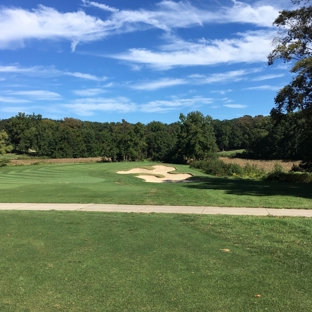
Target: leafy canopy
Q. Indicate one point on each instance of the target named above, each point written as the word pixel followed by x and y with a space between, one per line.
pixel 295 44
pixel 4 143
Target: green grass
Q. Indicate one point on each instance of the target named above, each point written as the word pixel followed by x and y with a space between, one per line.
pixel 230 153
pixel 15 156
pixel 99 183
pixel 77 261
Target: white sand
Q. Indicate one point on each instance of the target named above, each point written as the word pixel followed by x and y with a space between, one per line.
pixel 164 171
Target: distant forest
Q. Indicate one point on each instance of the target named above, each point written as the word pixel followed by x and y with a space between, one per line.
pixel 193 137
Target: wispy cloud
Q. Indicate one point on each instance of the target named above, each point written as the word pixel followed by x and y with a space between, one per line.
pixel 235 75
pixel 222 92
pixel 46 23
pixel 36 94
pixel 197 79
pixel 249 47
pixel 267 77
pixel 89 92
pixel 162 83
pixel 84 76
pixel 235 105
pixel 48 72
pixel 264 87
pixel 4 99
pixel 175 104
pixel 99 5
pixel 89 106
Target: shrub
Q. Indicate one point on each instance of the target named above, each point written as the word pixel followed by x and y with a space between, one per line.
pixel 215 166
pixel 235 169
pixel 4 162
pixel 252 171
pixel 290 177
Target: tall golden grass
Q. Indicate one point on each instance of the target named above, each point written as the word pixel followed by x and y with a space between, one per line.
pixel 267 165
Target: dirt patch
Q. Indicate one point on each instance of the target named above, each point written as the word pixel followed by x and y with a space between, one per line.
pixel 158 174
pixel 267 165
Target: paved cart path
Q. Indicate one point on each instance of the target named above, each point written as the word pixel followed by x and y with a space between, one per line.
pixel 159 209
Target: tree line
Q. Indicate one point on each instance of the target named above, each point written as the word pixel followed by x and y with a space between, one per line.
pixel 193 137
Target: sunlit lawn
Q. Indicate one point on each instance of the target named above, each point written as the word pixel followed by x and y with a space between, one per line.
pixel 100 183
pixel 77 261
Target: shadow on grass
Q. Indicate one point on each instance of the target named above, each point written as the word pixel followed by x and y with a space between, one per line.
pixel 252 187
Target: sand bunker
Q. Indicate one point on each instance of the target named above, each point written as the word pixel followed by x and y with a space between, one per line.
pixel 159 174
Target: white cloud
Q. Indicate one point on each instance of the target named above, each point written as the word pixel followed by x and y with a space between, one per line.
pixel 222 92
pixel 99 5
pixel 16 69
pixel 174 104
pixel 12 100
pixel 162 83
pixel 227 100
pixel 37 94
pixel 48 72
pixel 46 23
pixel 264 87
pixel 267 77
pixel 196 79
pixel 85 76
pixel 89 106
pixel 235 75
pixel 182 14
pixel 89 92
pixel 259 14
pixel 235 105
pixel 249 47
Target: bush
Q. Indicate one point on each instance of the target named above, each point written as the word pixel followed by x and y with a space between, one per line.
pixel 217 167
pixel 252 171
pixel 290 177
pixel 4 162
pixel 235 169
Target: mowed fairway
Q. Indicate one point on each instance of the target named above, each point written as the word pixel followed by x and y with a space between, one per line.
pixel 78 261
pixel 100 183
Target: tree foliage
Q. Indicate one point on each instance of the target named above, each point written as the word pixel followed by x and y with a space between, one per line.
pixel 294 44
pixel 196 139
pixel 4 143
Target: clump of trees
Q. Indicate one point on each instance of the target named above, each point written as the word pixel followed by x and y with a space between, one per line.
pixel 5 146
pixel 194 137
pixel 294 44
pixel 190 138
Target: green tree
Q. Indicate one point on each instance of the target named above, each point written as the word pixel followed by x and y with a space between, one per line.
pixel 196 139
pixel 22 130
pixel 159 141
pixel 222 131
pixel 294 44
pixel 46 132
pixel 5 145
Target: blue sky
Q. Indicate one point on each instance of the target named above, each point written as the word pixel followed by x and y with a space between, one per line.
pixel 138 60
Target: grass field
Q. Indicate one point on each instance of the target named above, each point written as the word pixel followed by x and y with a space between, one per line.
pixel 231 153
pixel 76 261
pixel 267 165
pixel 99 183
